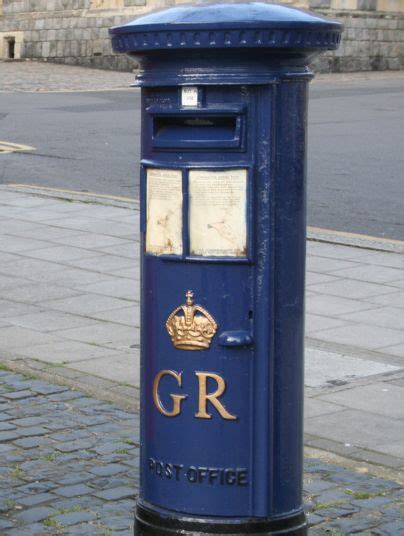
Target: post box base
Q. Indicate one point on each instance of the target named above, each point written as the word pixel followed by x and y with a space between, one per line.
pixel 150 522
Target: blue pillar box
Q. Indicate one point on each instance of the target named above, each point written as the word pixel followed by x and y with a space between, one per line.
pixel 224 113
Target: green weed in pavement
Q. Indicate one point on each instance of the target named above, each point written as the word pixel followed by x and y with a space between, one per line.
pixel 121 451
pixel 70 509
pixel 10 503
pixel 361 495
pixel 17 472
pixel 51 457
pixel 125 439
pixel 49 522
pixel 324 506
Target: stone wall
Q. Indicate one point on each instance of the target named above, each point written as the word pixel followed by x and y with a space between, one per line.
pixel 76 31
pixel 370 42
pixel 67 31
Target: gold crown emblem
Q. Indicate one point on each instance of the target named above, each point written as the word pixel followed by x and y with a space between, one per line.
pixel 188 329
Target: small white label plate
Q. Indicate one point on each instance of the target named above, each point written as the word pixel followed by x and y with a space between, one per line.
pixel 189 96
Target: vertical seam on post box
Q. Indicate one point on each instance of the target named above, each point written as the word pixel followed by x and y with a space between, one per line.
pixel 143 201
pixel 250 213
pixel 273 177
pixel 263 448
pixel 143 338
pixel 185 213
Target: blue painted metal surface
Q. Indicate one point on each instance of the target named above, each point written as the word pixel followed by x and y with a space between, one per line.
pixel 250 64
pixel 227 25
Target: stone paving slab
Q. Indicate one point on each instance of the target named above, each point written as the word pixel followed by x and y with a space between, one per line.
pixel 359 428
pixel 63 352
pixel 324 368
pixel 362 335
pixel 126 368
pixel 79 475
pixel 378 397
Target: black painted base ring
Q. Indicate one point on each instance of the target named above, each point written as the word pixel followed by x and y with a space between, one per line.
pixel 149 522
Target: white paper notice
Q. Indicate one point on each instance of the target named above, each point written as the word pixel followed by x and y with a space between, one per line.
pixel 218 213
pixel 164 212
pixel 189 96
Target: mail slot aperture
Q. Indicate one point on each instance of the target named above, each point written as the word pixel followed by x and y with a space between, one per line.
pixel 208 127
pixel 193 131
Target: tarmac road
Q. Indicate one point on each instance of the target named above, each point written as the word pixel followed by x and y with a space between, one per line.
pixel 89 141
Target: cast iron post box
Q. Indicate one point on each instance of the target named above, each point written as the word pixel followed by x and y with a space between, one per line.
pixel 224 100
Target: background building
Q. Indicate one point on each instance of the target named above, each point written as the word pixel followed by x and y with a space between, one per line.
pixel 76 31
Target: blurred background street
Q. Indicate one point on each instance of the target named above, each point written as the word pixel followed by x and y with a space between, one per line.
pixel 85 127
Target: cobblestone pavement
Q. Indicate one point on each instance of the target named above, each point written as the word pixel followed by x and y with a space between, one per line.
pixel 69 465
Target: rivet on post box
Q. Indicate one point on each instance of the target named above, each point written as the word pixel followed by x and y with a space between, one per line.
pixel 224 109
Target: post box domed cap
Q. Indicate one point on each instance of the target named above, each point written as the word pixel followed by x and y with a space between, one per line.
pixel 229 24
